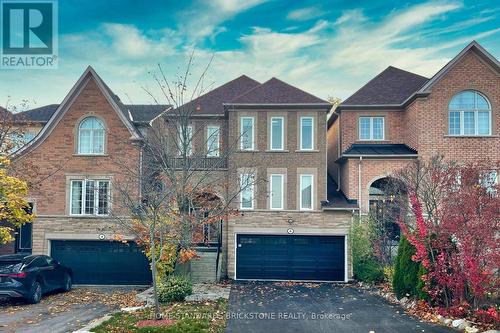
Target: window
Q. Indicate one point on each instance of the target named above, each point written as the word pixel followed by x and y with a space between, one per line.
pixel 276 190
pixel 213 138
pixel 306 192
pixel 371 128
pixel 91 137
pixel 277 133
pixel 89 197
pixel 247 133
pixel 469 114
pixel 188 136
pixel 306 133
pixel 247 190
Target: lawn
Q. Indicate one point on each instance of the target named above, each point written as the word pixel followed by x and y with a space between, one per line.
pixel 188 317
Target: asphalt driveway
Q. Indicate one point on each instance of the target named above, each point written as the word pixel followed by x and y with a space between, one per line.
pixel 62 312
pixel 287 307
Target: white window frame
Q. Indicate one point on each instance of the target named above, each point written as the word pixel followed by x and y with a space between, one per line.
pixel 84 193
pixel 282 185
pixel 312 191
pixel 250 187
pixel 485 182
pixel 282 133
pixel 91 138
pixel 302 133
pixel 476 112
pixel 371 138
pixel 213 152
pixel 252 141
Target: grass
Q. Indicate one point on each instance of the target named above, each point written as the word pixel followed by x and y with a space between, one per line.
pixel 189 317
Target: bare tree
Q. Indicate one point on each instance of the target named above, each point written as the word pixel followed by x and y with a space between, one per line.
pixel 185 187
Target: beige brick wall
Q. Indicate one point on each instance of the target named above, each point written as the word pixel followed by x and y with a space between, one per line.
pixel 70 228
pixel 304 223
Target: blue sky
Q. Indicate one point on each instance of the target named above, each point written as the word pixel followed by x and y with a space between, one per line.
pixel 329 48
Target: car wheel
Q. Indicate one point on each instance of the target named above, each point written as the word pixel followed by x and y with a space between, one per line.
pixel 68 283
pixel 36 293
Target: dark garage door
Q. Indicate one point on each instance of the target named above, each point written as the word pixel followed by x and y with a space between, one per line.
pixel 103 262
pixel 272 257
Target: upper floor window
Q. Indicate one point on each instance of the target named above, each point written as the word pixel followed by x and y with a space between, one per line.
pixel 306 133
pixel 247 133
pixel 371 128
pixel 306 192
pixel 469 114
pixel 277 133
pixel 247 182
pixel 91 136
pixel 89 197
pixel 213 140
pixel 276 190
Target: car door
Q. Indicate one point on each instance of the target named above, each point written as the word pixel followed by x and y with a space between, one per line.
pixel 57 274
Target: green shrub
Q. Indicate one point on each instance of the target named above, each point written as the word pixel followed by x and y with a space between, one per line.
pixel 174 289
pixel 407 273
pixel 365 265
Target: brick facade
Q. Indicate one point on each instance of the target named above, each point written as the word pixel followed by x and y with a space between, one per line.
pixel 422 125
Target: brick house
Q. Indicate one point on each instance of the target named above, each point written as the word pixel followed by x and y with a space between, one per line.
pixel 285 219
pixel 399 116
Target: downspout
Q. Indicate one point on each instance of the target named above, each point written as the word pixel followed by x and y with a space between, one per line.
pixel 338 156
pixel 359 186
pixel 140 172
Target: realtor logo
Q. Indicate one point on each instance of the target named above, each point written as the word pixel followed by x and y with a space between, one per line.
pixel 28 34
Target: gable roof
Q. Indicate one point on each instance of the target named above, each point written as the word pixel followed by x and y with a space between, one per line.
pixel 212 102
pixel 139 113
pixel 116 105
pixel 393 86
pixel 275 91
pixel 474 47
pixel 396 88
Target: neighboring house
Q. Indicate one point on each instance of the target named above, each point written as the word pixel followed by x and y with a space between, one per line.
pixel 285 230
pixel 399 116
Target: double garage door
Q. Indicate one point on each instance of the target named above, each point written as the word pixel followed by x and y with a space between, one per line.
pixel 290 257
pixel 103 262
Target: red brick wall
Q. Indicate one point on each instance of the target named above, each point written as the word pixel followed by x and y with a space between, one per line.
pixel 56 156
pixel 394 129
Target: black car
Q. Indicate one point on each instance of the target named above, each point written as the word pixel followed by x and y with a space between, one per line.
pixel 30 276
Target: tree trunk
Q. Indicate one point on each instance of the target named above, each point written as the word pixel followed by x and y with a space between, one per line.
pixel 153 272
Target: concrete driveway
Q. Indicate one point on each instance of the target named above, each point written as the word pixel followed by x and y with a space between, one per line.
pixel 287 307
pixel 63 312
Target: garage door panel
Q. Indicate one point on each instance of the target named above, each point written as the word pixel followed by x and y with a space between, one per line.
pixel 103 262
pixel 290 257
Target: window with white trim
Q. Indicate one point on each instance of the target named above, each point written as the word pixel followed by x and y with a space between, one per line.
pixel 371 128
pixel 247 186
pixel 306 133
pixel 276 191
pixel 306 192
pixel 91 137
pixel 89 197
pixel 277 136
pixel 186 140
pixel 213 140
pixel 469 114
pixel 247 133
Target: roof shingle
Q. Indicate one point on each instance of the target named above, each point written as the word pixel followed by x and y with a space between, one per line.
pixel 361 149
pixel 393 86
pixel 275 91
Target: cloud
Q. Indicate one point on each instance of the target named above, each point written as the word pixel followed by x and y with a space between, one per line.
pixel 305 14
pixel 203 18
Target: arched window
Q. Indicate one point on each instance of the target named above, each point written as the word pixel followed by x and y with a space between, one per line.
pixel 91 136
pixel 469 114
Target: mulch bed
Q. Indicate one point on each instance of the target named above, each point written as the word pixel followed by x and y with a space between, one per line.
pixel 155 323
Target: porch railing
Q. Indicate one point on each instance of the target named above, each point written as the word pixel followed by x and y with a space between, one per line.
pixel 198 163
